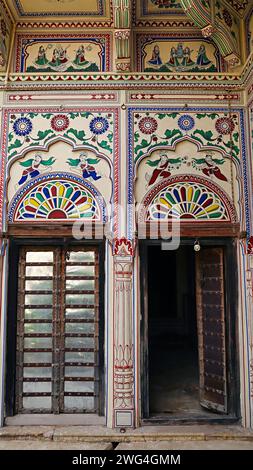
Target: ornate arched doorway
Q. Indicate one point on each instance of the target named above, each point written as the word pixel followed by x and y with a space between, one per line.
pixel 188 302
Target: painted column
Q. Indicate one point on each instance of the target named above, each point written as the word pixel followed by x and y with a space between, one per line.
pixel 123 347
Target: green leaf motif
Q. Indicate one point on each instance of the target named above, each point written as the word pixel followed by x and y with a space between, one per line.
pixel 104 144
pixel 144 143
pixel 207 135
pixel 42 134
pixel 15 145
pixel 171 133
pixel 78 134
pixel 236 136
pixel 136 136
pixel 86 114
pixel 110 137
pixel 10 137
pixel 73 115
pixel 47 115
pixel 32 115
pixel 211 115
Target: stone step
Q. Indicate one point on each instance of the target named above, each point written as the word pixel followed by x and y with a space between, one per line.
pixel 146 433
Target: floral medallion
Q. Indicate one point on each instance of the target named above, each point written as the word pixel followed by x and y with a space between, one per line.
pixel 148 125
pixel 186 122
pixel 99 125
pixel 22 126
pixel 60 123
pixel 224 125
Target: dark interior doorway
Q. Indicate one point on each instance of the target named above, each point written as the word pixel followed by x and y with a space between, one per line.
pixel 173 342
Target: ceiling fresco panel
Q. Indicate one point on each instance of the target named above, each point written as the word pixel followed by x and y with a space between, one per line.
pixel 45 8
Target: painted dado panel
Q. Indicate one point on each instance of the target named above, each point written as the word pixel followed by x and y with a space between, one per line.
pixel 59 165
pixel 177 52
pixel 201 151
pixel 63 53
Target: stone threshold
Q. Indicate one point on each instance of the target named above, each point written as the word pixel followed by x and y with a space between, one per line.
pixel 142 434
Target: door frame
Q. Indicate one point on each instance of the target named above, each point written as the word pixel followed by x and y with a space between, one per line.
pixel 231 323
pixel 15 245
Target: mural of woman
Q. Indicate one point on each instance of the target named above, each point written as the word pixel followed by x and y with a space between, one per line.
pixel 208 166
pixel 41 59
pixel 156 59
pixel 80 56
pixel 86 165
pixel 187 61
pixel 202 59
pixel 173 58
pixel 32 167
pixel 161 170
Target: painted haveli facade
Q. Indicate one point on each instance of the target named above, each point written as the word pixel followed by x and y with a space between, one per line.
pixel 117 116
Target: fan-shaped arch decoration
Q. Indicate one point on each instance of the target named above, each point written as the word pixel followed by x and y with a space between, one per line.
pixel 57 197
pixel 188 199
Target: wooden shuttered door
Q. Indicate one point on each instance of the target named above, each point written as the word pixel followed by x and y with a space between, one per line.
pixel 57 332
pixel 211 328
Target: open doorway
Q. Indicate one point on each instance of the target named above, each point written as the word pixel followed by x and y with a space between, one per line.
pixel 185 355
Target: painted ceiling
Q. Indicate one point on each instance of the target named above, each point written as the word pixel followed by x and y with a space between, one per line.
pixel 59 8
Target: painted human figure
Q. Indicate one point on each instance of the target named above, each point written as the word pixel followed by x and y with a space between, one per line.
pixel 209 168
pixel 180 51
pixel 55 59
pixel 202 59
pixel 32 167
pixel 80 56
pixel 173 57
pixel 86 165
pixel 41 59
pixel 62 55
pixel 156 59
pixel 161 170
pixel 187 61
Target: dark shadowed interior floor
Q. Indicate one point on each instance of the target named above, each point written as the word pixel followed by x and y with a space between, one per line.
pixel 174 382
pixel 172 333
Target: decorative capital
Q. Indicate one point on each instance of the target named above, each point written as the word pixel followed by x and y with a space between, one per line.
pixel 208 31
pixel 122 34
pixel 123 65
pixel 233 60
pixel 123 247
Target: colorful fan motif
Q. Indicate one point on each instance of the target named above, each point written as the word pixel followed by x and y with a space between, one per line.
pixel 57 200
pixel 187 201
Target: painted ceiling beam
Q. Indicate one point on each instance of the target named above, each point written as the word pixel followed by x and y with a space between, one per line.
pixel 203 14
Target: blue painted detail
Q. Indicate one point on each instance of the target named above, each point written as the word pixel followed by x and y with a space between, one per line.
pixel 131 164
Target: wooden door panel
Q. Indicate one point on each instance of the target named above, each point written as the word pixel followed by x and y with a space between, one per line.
pixel 57 367
pixel 211 328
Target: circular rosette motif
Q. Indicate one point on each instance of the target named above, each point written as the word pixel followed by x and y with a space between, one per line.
pixel 186 122
pixel 99 125
pixel 57 200
pixel 60 123
pixel 22 126
pixel 187 201
pixel 148 125
pixel 224 125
